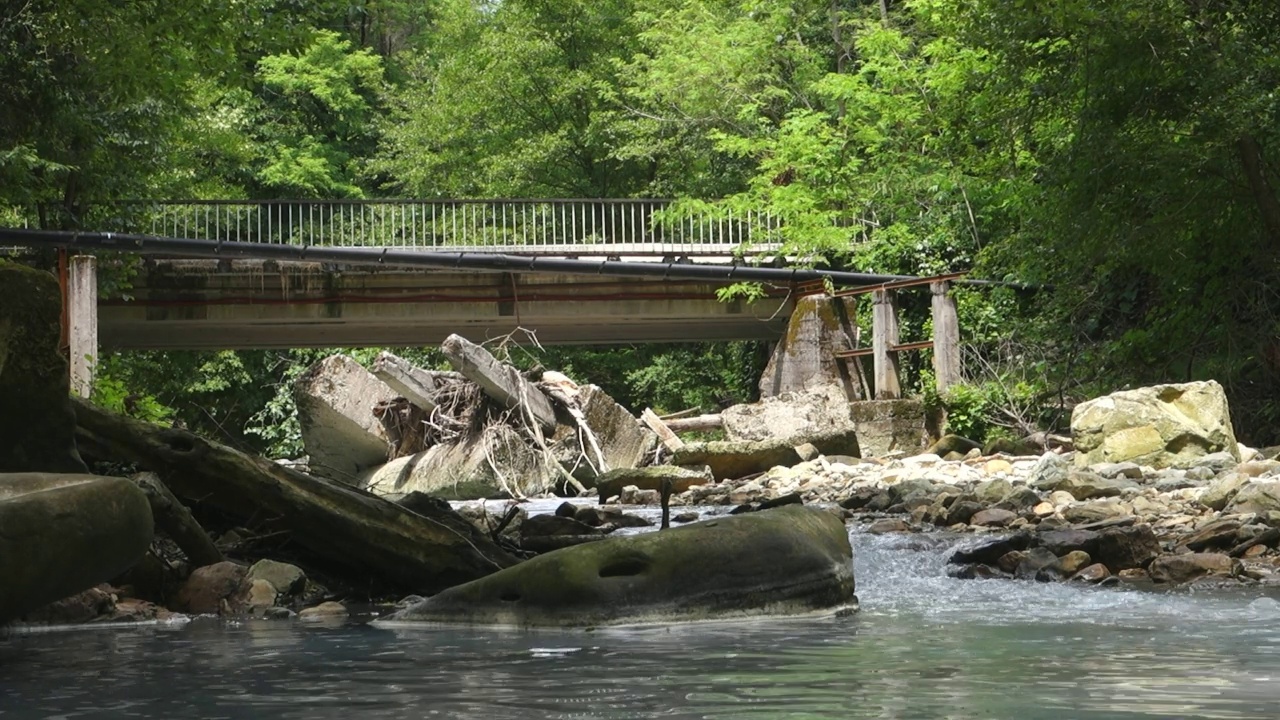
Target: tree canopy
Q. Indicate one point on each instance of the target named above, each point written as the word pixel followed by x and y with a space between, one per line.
pixel 1121 156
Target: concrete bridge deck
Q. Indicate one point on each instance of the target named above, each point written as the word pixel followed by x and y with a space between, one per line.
pixel 238 304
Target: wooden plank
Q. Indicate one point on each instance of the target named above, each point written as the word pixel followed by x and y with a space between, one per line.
pixel 414 384
pixel 498 380
pixel 884 335
pixel 664 433
pixel 863 352
pixel 82 316
pixel 946 336
pixel 905 347
pixel 701 423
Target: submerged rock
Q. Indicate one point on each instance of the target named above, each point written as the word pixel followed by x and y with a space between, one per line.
pixel 785 561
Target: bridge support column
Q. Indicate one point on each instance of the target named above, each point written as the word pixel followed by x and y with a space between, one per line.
pixel 82 316
pixel 946 336
pixel 884 338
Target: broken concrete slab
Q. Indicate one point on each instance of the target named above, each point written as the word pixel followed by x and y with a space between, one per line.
pixel 788 415
pixel 610 484
pixel 498 380
pixel 416 385
pixel 336 398
pixel 497 463
pixel 888 426
pixel 624 441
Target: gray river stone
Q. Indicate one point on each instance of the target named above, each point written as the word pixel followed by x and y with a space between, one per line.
pixel 60 534
pixel 786 561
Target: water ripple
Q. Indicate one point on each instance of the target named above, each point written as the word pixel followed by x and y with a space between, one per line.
pixel 924 646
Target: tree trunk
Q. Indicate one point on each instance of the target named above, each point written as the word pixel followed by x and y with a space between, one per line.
pixel 1255 170
pixel 701 423
pixel 175 520
pixel 370 539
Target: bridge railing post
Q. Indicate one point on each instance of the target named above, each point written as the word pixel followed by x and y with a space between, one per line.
pixel 884 336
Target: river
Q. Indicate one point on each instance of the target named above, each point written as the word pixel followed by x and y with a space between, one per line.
pixel 923 646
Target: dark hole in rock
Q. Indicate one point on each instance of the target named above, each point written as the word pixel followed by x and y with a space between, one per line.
pixel 625 567
pixel 509 596
pixel 181 444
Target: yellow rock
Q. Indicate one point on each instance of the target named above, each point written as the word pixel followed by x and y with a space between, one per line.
pixel 998 465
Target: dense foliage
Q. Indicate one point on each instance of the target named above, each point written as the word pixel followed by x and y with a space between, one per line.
pixel 1121 156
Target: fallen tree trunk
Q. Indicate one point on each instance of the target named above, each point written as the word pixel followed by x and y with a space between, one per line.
pixel 369 538
pixel 700 423
pixel 175 520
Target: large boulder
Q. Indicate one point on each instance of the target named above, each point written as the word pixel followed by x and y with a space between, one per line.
pixel 804 359
pixel 37 425
pixel 498 462
pixel 342 436
pixel 788 415
pixel 1160 426
pixel 60 534
pixel 1260 495
pixel 789 560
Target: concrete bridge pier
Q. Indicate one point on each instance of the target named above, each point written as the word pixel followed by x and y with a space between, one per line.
pixel 82 322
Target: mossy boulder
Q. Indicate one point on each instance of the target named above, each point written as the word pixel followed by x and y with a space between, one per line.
pixel 37 425
pixel 60 534
pixel 787 561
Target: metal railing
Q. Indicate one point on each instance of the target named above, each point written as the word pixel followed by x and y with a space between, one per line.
pixel 577 227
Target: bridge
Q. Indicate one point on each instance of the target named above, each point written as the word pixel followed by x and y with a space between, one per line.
pixel 283 291
pixel 236 274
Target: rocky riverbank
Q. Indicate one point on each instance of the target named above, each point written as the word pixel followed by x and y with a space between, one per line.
pixel 1216 520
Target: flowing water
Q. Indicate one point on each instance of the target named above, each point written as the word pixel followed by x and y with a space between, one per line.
pixel 923 646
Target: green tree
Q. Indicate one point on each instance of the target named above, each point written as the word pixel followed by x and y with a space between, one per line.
pixel 510 99
pixel 86 111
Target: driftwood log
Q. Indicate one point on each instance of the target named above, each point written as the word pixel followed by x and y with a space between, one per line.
pixel 701 423
pixel 368 537
pixel 176 521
